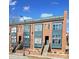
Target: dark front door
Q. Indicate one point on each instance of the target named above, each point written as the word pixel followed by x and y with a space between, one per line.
pixel 46 40
pixel 19 39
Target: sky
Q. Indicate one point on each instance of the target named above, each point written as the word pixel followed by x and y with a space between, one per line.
pixel 36 9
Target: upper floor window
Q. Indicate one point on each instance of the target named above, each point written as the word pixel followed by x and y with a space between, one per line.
pixel 26 28
pixel 13 29
pixel 57 26
pixel 38 27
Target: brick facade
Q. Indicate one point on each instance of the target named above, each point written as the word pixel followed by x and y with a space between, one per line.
pixel 46 32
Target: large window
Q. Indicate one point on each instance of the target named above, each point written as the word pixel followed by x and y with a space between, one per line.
pixel 57 35
pixel 13 36
pixel 26 35
pixel 13 29
pixel 38 36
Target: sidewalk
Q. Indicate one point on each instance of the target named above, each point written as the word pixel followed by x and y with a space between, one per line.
pixel 44 57
pixel 15 56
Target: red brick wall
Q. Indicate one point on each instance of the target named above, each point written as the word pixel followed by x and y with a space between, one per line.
pixel 20 30
pixel 46 32
pixel 64 32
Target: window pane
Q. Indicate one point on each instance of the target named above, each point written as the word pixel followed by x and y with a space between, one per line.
pixel 26 35
pixel 13 40
pixel 13 36
pixel 57 35
pixel 38 36
pixel 38 27
pixel 13 29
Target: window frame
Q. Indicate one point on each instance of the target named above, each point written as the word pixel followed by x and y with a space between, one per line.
pixel 58 35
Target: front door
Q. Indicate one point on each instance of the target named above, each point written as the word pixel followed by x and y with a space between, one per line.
pixel 19 39
pixel 46 40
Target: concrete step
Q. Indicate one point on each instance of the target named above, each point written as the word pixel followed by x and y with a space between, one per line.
pixel 45 51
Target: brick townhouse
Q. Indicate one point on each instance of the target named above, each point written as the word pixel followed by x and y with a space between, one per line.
pixel 35 35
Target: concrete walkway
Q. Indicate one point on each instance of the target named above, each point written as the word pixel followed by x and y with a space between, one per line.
pixel 17 57
pixel 14 56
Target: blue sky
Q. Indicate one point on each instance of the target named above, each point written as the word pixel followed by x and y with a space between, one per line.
pixel 35 9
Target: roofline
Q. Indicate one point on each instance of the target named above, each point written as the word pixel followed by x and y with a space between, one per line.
pixel 59 18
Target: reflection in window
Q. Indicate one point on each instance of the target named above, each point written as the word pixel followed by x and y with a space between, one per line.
pixel 13 29
pixel 26 35
pixel 13 36
pixel 57 35
pixel 38 36
pixel 38 27
pixel 57 26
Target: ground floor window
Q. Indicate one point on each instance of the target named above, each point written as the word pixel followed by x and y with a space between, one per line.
pixel 26 39
pixel 13 39
pixel 38 43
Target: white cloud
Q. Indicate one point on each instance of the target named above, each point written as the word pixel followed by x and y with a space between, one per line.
pixel 55 3
pixel 13 8
pixel 26 8
pixel 46 15
pixel 12 2
pixel 25 18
